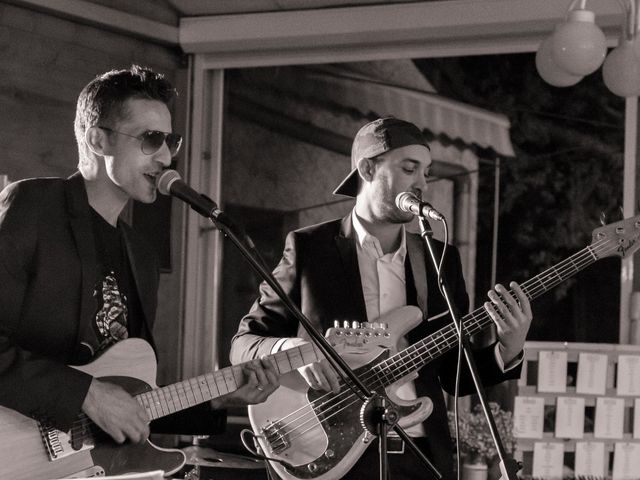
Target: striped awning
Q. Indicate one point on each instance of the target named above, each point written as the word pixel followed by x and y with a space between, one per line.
pixel 449 122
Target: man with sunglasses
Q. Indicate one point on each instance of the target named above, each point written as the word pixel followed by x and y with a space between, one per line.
pixel 76 279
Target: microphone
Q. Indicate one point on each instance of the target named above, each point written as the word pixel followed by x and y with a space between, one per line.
pixel 408 202
pixel 170 183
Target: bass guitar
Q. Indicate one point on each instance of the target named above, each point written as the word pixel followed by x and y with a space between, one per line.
pixel 319 435
pixel 34 451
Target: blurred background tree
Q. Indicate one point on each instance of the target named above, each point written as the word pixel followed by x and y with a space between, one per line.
pixel 568 170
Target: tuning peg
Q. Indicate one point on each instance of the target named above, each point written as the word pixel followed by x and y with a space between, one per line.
pixel 603 218
pixel 336 324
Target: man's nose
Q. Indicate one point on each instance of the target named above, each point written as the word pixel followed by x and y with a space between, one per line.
pixel 163 156
pixel 421 186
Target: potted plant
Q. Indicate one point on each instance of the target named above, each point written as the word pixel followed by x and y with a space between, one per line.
pixel 476 445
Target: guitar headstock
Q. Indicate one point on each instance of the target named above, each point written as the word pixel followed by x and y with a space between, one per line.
pixel 620 238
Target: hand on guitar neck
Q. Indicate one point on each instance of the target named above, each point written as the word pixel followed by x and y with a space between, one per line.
pixel 261 381
pixel 318 375
pixel 511 313
pixel 121 416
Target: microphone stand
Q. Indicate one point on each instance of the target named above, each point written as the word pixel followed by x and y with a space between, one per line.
pixel 382 416
pixel 508 466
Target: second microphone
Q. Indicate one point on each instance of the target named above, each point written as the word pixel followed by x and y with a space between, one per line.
pixel 408 202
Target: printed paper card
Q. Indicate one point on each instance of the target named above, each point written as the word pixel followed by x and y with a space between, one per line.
pixel 589 459
pixel 626 460
pixel 609 417
pixel 548 460
pixel 570 417
pixel 528 417
pixel 592 373
pixel 628 375
pixel 552 371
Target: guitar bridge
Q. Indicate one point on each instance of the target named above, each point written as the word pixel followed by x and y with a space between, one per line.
pixel 275 436
pixel 60 444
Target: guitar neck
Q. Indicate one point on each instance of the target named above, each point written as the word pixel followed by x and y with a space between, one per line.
pixel 419 354
pixel 179 396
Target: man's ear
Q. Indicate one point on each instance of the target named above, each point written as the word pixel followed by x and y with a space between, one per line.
pixel 366 168
pixel 96 140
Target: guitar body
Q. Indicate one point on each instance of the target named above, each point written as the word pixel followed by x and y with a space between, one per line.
pixel 320 434
pixel 24 456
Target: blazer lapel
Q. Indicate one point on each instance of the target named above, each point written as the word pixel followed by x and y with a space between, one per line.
pixel 416 253
pixel 80 222
pixel 345 242
pixel 142 277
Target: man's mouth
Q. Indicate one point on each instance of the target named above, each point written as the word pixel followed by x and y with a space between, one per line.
pixel 152 177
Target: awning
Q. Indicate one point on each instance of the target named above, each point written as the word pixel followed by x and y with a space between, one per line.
pixel 448 121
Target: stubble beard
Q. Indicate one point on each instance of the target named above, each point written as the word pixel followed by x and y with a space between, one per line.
pixel 388 211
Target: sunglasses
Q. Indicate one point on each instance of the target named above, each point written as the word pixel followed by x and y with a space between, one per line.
pixel 152 140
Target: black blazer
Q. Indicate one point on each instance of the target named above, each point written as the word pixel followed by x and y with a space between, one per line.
pixel 319 271
pixel 47 273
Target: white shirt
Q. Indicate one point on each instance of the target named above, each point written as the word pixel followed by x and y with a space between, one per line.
pixel 384 288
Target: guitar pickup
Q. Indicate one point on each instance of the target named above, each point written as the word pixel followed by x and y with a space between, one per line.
pixel 275 436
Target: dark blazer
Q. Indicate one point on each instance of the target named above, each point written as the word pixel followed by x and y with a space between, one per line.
pixel 47 273
pixel 319 271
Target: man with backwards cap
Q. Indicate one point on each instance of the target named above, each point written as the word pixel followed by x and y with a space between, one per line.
pixel 365 265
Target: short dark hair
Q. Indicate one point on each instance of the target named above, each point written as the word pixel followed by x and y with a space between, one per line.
pixel 102 100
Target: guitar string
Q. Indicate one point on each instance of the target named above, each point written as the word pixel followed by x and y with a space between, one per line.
pixel 82 423
pixel 571 265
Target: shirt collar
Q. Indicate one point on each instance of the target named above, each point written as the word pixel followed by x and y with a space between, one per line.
pixel 364 238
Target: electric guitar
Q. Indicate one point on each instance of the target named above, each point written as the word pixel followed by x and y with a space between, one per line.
pixel 320 435
pixel 30 450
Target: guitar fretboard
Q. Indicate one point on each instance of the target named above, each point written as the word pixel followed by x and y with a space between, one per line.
pixel 188 393
pixel 419 354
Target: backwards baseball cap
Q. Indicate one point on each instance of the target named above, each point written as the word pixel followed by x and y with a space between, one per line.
pixel 376 138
